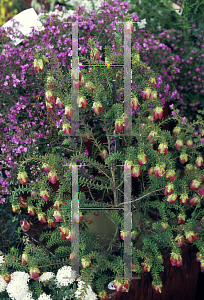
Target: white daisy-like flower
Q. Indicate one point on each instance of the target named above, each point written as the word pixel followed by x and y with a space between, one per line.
pixel 17 290
pixel 65 276
pixel 44 297
pixel 2 260
pixel 46 276
pixel 88 294
pixel 3 284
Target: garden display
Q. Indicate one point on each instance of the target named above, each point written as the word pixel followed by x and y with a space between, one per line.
pixel 165 165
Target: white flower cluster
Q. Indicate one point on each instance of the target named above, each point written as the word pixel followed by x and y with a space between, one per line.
pixel 44 297
pixel 142 23
pixel 2 260
pixel 59 15
pixel 46 276
pixel 88 295
pixel 65 276
pixel 3 284
pixel 18 288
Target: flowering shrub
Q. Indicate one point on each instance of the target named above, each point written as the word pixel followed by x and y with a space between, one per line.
pixel 153 152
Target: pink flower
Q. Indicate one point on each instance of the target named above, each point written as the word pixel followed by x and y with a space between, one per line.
pixel 38 65
pixel 171 198
pixel 159 171
pixel 46 168
pixel 51 223
pixel 189 143
pixel 128 166
pixel 31 210
pixel 82 102
pixel 119 125
pixel 158 113
pixel 164 226
pixel 23 178
pixel 200 190
pixel 181 219
pixel 57 215
pixel 142 159
pixel 183 199
pixel 199 162
pixel 180 240
pixel 179 144
pixel 50 96
pixel 97 107
pixel 134 103
pixel 146 267
pixel 59 103
pixel 34 273
pixel 58 204
pixel 171 175
pixel 183 158
pixel 52 177
pixel 49 106
pixel 66 128
pixel 151 135
pixel 124 234
pixel 64 232
pixel 85 263
pixel 146 94
pixel 135 171
pixel 176 131
pixel 22 201
pixel 195 184
pixel 24 259
pixel 42 217
pixel 163 148
pixel 190 235
pixel 25 225
pixel 176 259
pixel 16 208
pixel 69 111
pixel 194 200
pixel 45 195
pixel 169 189
pixel 78 218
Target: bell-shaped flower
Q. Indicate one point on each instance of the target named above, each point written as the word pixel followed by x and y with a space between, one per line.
pixel 179 144
pixel 171 175
pixel 135 171
pixel 85 263
pixel 158 113
pixel 97 108
pixel 45 195
pixel 134 103
pixel 31 210
pixel 199 162
pixel 66 128
pixel 183 199
pixel 163 148
pixel 142 159
pixel 42 217
pixel 50 96
pixel 69 111
pixel 82 102
pixel 46 168
pixel 57 215
pixel 52 177
pixel 38 65
pixel 51 223
pixel 23 178
pixel 119 125
pixel 59 103
pixel 34 273
pixel 183 158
